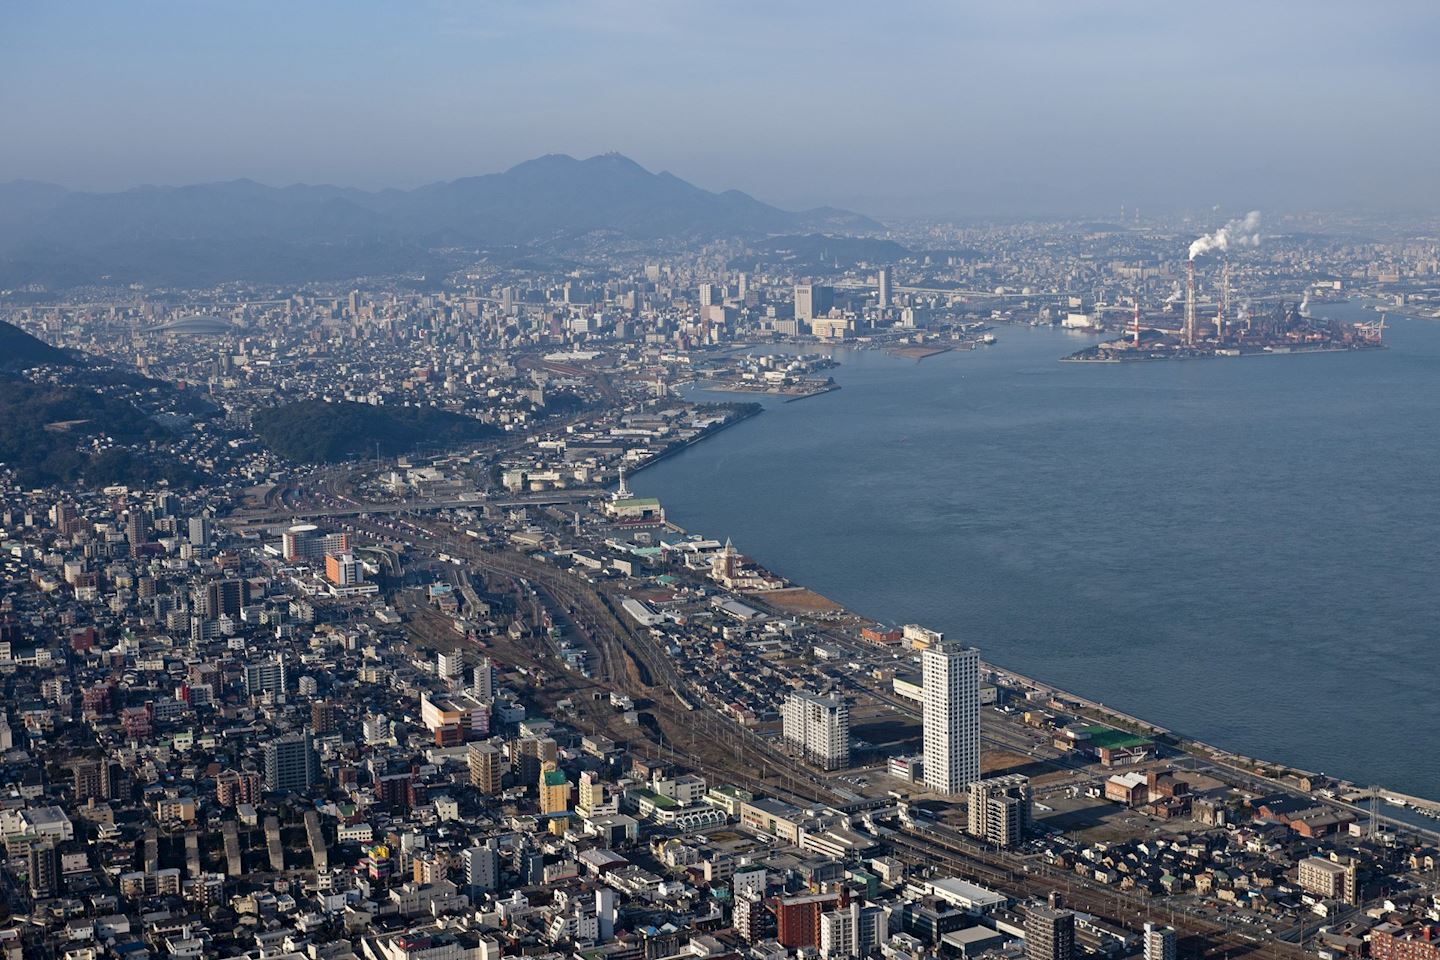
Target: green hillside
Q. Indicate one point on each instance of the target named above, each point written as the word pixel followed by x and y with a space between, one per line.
pixel 47 433
pixel 320 431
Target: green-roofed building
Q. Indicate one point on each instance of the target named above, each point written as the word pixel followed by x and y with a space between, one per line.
pixel 554 790
pixel 1111 747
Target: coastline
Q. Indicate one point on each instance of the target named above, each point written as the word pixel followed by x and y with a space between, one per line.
pixel 705 434
pixel 1254 767
pixel 1251 771
pixel 1077 358
pixel 1271 772
pixel 721 386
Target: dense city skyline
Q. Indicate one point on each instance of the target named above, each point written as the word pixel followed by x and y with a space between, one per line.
pixel 365 618
pixel 664 480
pixel 926 108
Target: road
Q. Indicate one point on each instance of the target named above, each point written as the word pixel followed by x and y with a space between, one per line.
pixel 377 508
pixel 631 661
pixel 1200 937
pixel 783 776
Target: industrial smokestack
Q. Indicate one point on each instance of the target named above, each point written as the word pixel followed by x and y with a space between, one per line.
pixel 1190 301
pixel 1224 310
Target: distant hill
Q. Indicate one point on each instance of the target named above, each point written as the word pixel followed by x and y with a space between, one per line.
pixel 321 431
pixel 243 230
pixel 824 253
pixel 19 350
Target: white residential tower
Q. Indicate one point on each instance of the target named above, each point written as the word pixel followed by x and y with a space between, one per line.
pixel 952 716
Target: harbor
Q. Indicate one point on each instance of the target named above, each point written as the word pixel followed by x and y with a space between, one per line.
pixel 1287 330
pixel 1002 556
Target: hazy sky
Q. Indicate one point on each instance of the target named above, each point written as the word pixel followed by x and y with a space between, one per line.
pixel 882 105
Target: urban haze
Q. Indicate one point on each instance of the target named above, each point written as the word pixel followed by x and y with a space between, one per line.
pixel 639 480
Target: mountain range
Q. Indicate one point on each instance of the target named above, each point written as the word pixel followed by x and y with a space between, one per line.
pixel 243 230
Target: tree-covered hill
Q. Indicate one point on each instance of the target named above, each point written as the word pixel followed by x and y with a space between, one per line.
pixel 49 434
pixel 322 431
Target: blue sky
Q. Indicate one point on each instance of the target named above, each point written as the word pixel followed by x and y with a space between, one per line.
pixel 893 106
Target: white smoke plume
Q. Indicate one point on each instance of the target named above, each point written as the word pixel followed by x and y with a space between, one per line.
pixel 1244 232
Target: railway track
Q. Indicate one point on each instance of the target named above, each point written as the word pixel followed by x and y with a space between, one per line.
pixel 655 676
pixel 1204 938
pixel 739 754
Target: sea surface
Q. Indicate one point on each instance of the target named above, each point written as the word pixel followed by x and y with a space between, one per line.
pixel 1244 550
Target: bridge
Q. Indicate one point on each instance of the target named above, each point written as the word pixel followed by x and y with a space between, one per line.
pixel 853 284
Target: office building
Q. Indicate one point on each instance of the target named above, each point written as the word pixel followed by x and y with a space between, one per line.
pixel 92 780
pixel 137 530
pixel 1159 942
pixel 450 665
pixel 812 300
pixel 43 863
pixel 222 598
pixel 554 790
pixel 342 569
pixel 883 279
pixel 266 676
pixel 291 765
pixel 951 678
pixel 375 729
pixel 1049 934
pixel 1000 809
pixel 482 867
pixel 529 756
pixel 482 680
pixel 819 727
pixel 1330 879
pixel 305 542
pixel 487 768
